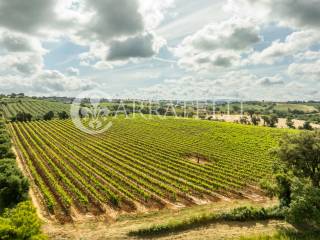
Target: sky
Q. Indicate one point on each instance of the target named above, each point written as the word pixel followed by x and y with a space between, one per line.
pixel 162 49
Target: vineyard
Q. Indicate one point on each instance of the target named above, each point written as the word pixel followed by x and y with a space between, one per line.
pixel 37 108
pixel 140 162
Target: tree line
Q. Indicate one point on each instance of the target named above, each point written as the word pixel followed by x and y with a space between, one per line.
pixel 27 117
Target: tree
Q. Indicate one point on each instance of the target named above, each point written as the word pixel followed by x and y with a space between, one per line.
pixel 296 178
pixel 273 121
pixel 251 112
pixel 22 117
pixel 301 154
pixel 13 185
pixel 290 123
pixel 244 120
pixel 307 126
pixel 48 116
pixel 266 120
pixel 255 120
pixel 236 108
pixel 63 115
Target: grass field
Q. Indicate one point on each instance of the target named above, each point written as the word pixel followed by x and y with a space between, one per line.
pixel 37 108
pixel 142 162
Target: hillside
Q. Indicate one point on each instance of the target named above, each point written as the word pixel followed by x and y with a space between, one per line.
pixel 141 164
pixel 37 108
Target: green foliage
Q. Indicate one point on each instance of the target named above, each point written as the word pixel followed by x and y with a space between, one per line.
pixel 270 121
pixel 251 213
pixel 255 120
pixel 300 153
pixel 297 179
pixel 48 116
pixel 304 209
pixel 13 185
pixel 63 115
pixel 21 223
pixel 22 117
pixel 5 150
pixel 307 126
pixel 290 123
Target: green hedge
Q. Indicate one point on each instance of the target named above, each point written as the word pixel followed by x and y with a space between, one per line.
pixel 238 214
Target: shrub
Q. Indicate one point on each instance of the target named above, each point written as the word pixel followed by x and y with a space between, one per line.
pixel 21 223
pixel 13 185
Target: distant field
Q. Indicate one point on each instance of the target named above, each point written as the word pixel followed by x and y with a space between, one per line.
pixel 142 162
pixel 37 108
pixel 300 107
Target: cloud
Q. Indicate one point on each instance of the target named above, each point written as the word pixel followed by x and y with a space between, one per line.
pixel 271 81
pixel 46 82
pixel 71 71
pixel 308 55
pixel 20 53
pixel 218 45
pixel 141 46
pixel 305 71
pixel 26 16
pixel 153 12
pixel 25 63
pixel 292 13
pixel 297 13
pixel 117 34
pixel 14 42
pixel 231 85
pixel 277 51
pixel 52 81
pixel 109 19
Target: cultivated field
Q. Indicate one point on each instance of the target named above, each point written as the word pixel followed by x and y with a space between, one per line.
pixel 37 108
pixel 142 164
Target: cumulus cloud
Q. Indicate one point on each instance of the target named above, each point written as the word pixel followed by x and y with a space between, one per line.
pixel 54 81
pixel 295 14
pixel 153 12
pixel 25 63
pixel 218 45
pixel 305 71
pixel 26 16
pixel 271 81
pixel 293 44
pixel 141 46
pixel 308 55
pixel 15 42
pixel 110 19
pixel 21 53
pixel 46 82
pixel 116 33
